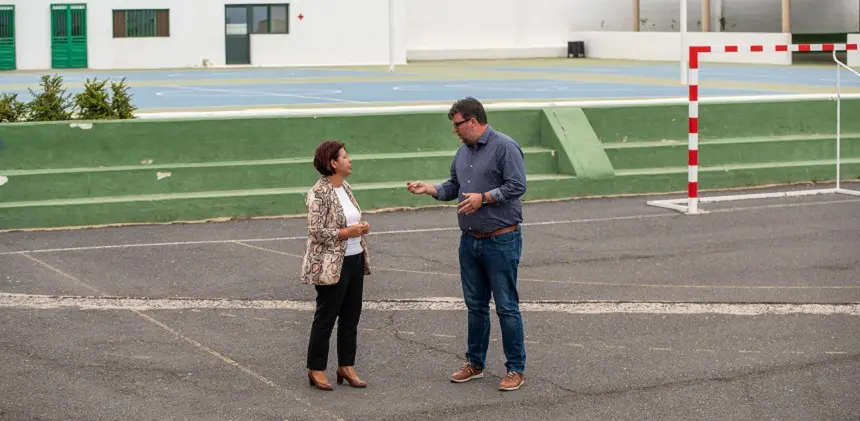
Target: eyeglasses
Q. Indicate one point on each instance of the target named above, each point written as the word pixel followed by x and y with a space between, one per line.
pixel 458 123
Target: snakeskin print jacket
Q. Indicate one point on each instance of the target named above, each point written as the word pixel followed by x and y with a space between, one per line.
pixel 324 252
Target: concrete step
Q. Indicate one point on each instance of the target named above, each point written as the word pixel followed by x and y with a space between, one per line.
pixel 70 183
pixel 205 205
pixel 240 204
pixel 732 151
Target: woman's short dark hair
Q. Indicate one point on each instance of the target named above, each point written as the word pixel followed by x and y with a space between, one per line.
pixel 325 153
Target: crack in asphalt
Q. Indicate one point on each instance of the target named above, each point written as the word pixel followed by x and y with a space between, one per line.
pixel 459 357
pixel 383 252
pixel 574 395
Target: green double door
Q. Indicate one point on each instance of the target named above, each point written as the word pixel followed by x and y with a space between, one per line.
pixel 7 38
pixel 68 36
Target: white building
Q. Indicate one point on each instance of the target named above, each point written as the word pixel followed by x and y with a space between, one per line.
pixel 141 34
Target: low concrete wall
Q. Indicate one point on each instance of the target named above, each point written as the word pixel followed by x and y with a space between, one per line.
pixel 150 171
pixel 854 56
pixel 666 46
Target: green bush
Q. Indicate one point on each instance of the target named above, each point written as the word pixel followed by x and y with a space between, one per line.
pixel 53 103
pixel 11 109
pixel 94 102
pixel 121 104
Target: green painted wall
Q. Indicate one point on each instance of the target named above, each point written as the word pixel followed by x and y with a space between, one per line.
pixel 26 185
pixel 580 151
pixel 129 142
pixel 661 123
pixel 58 175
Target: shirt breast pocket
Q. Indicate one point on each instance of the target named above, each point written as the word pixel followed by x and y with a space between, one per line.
pixel 493 173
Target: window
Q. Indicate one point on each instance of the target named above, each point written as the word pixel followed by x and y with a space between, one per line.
pixel 270 19
pixel 141 23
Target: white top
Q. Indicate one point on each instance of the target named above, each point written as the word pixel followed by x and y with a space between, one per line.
pixel 353 216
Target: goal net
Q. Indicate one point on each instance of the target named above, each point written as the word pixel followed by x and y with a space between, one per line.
pixel 690 205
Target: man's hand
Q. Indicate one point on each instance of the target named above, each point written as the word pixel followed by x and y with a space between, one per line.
pixel 472 203
pixel 420 187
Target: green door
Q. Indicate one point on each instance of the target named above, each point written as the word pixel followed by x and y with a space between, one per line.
pixel 7 38
pixel 68 36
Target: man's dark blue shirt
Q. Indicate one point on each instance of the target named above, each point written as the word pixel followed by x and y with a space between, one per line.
pixel 494 164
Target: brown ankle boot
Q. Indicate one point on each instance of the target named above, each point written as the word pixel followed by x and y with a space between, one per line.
pixel 348 374
pixel 318 380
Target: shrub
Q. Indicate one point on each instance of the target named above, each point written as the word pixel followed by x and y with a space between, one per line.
pixel 121 103
pixel 94 102
pixel 52 103
pixel 11 109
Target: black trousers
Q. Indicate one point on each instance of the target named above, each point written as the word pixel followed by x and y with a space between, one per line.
pixel 341 302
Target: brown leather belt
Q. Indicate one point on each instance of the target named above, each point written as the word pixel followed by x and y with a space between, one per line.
pixel 504 230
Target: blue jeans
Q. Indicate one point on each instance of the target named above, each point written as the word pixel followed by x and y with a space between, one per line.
pixel 489 266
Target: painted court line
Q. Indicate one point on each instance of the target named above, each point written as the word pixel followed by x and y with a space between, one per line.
pixel 593 283
pixel 262 93
pixel 137 310
pixel 428 230
pixel 304 237
pixel 428 304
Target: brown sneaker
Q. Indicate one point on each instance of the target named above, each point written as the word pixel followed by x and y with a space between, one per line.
pixel 512 381
pixel 466 373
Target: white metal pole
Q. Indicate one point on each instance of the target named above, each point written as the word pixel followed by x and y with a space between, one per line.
pixel 391 38
pixel 684 57
pixel 838 119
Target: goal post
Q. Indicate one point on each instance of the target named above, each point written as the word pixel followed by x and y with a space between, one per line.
pixel 690 205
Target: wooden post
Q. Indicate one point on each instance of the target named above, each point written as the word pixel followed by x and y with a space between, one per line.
pixel 635 15
pixel 786 16
pixel 706 15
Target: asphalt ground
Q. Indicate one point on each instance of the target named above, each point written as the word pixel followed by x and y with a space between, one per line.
pixel 749 311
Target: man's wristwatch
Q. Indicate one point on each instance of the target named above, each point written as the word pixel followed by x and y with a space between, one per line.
pixel 484 198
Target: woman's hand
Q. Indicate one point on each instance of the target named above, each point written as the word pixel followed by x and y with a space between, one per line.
pixel 365 227
pixel 356 230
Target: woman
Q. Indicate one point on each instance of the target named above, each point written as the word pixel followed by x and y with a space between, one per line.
pixel 335 262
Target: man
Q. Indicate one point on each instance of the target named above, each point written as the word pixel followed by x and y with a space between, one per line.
pixel 488 177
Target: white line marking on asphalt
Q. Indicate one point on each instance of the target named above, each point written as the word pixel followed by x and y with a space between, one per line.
pixel 427 304
pixel 304 237
pixel 422 230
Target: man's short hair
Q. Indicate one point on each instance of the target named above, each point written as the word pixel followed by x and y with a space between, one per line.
pixel 469 108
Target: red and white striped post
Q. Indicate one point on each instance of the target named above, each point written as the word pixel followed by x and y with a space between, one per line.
pixel 693 84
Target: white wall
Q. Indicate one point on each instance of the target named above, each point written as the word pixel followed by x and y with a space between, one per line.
pixel 854 56
pixel 807 16
pixel 33 34
pixel 179 50
pixel 333 32
pixel 475 28
pixel 344 32
pixel 666 46
pixel 542 28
